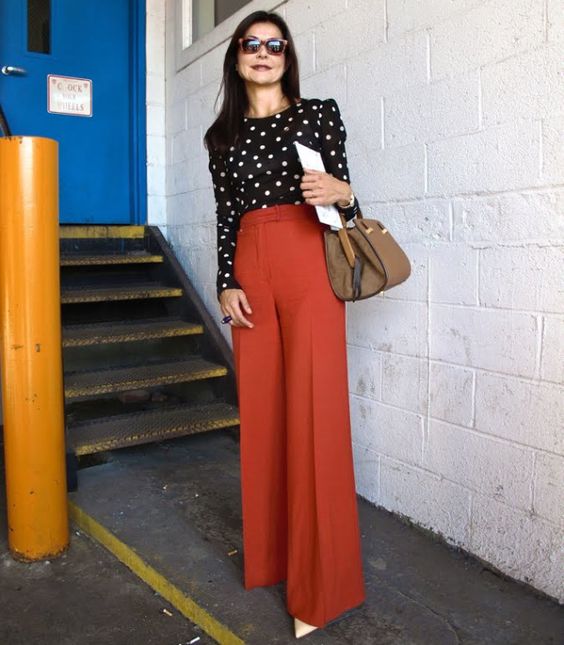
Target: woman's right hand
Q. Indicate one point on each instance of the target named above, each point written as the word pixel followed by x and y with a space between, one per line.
pixel 231 301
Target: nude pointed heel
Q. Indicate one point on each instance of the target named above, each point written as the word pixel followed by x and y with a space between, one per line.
pixel 302 628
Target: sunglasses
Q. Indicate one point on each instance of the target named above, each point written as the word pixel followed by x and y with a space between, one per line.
pixel 252 45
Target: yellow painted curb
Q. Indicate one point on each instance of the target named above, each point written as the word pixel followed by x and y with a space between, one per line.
pixel 184 604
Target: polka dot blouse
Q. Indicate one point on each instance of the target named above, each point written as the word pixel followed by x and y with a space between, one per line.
pixel 264 169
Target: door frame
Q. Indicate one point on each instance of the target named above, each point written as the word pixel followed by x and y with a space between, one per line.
pixel 138 111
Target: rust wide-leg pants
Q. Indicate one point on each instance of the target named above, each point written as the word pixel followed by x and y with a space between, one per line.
pixel 300 517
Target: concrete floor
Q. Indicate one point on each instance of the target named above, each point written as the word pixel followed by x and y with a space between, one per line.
pixel 176 505
pixel 85 597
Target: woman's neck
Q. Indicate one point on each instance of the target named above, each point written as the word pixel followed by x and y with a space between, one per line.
pixel 266 101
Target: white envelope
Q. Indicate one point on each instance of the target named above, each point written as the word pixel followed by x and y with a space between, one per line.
pixel 312 159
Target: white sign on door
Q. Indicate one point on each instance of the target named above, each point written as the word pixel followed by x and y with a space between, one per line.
pixel 68 95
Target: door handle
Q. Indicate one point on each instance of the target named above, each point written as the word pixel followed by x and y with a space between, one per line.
pixel 10 70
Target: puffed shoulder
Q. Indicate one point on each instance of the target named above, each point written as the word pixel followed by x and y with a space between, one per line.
pixel 321 104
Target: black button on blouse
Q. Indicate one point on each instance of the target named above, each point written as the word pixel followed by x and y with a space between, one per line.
pixel 264 169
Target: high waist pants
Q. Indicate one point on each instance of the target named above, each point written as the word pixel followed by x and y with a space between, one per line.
pixel 300 517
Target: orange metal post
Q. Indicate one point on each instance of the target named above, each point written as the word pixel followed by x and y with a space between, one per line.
pixel 30 335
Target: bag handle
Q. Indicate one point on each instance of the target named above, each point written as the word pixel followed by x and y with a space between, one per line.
pixel 345 241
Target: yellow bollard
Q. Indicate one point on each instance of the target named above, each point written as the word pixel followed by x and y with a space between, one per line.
pixel 31 350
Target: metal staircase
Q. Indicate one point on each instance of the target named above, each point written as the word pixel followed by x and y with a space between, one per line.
pixel 143 359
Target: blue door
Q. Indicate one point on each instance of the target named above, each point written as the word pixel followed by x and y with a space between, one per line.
pixel 73 70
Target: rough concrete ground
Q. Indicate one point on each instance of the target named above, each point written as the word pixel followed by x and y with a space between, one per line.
pixel 177 504
pixel 85 597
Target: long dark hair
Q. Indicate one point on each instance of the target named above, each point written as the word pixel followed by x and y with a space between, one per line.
pixel 226 129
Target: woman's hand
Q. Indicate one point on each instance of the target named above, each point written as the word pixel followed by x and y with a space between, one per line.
pixel 230 301
pixel 322 189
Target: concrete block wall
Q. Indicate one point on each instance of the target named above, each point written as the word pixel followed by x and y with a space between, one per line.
pixel 454 114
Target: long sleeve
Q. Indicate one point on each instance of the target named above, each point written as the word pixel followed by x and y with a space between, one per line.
pixel 334 155
pixel 227 223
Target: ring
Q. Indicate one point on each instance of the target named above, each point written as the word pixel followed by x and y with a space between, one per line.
pixel 226 319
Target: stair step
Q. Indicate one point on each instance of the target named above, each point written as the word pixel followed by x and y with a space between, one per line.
pixel 105 294
pixel 92 383
pixel 70 260
pixel 124 430
pixel 101 231
pixel 82 335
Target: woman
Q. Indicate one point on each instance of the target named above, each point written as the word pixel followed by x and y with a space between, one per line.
pixel 300 518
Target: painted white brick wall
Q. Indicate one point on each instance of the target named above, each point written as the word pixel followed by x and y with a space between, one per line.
pixel 454 115
pixel 156 140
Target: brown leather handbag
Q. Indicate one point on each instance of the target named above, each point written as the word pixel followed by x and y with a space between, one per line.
pixel 364 259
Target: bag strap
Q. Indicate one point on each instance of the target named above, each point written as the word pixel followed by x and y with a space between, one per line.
pixel 346 243
pixel 376 253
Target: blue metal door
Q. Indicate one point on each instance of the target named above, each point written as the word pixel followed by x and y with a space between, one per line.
pixel 73 70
